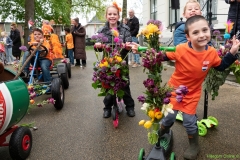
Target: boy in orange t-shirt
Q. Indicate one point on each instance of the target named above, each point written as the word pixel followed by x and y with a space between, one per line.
pixel 69 45
pixel 193 60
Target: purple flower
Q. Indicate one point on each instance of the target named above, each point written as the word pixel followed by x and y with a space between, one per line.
pixel 219 38
pixel 94 37
pixel 104 39
pixel 39 105
pixel 51 100
pixel 216 32
pixel 168 94
pixel 166 100
pixel 114 69
pixel 94 79
pixel 179 98
pixel 148 83
pixel 23 48
pixel 178 91
pixel 150 21
pixel 141 99
pixel 183 89
pixel 124 63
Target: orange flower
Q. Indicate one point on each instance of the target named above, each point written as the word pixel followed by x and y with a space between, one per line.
pixel 115 33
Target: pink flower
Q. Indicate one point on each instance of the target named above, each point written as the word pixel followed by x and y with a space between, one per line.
pixel 116 39
pixel 51 100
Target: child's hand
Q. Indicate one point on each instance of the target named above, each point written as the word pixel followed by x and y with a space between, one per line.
pixel 135 47
pixel 128 45
pixel 235 45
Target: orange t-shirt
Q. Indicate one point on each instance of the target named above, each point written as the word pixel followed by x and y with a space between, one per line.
pixel 46 44
pixel 191 68
pixel 69 41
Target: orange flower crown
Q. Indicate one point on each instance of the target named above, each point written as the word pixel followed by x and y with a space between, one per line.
pixel 116 5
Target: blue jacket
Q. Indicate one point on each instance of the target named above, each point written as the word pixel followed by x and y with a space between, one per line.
pixel 179 35
pixel 8 41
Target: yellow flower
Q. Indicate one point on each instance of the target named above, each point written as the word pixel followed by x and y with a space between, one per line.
pixel 148 124
pixel 115 33
pixel 151 114
pixel 103 64
pixel 141 123
pixel 158 115
pixel 118 58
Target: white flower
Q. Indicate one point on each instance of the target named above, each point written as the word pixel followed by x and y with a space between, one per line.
pixel 167 108
pixel 144 106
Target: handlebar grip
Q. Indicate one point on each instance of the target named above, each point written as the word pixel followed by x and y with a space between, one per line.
pixel 170 49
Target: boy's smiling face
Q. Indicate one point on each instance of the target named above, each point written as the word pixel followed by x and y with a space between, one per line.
pixel 37 36
pixel 192 9
pixel 199 35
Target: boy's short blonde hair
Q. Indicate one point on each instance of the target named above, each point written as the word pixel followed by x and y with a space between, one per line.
pixel 191 1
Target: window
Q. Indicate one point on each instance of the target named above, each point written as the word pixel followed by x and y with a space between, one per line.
pixel 205 7
pixel 174 12
pixel 153 9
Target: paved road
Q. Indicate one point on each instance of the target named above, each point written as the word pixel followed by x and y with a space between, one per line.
pixel 78 131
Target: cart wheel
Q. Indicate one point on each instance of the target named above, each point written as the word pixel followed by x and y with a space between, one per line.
pixel 172 156
pixel 64 78
pixel 214 120
pixel 58 93
pixel 69 70
pixel 141 154
pixel 20 144
pixel 202 130
pixel 115 122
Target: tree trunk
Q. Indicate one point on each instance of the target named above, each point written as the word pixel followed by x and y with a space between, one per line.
pixel 29 14
pixel 124 9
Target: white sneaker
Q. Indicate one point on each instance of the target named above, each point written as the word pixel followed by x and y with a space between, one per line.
pixel 134 65
pixel 72 65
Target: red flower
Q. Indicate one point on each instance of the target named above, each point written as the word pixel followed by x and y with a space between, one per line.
pixel 106 86
pixel 117 73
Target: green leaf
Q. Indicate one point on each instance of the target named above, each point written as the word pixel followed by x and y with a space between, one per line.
pixel 120 93
pixel 95 85
pixel 111 91
pixel 102 94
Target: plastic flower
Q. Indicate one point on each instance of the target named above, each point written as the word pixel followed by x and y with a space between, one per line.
pixel 167 108
pixel 141 98
pixel 103 63
pixel 145 106
pixel 147 124
pixel 141 123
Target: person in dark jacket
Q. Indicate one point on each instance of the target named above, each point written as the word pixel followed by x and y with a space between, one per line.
pixel 16 38
pixel 233 14
pixel 133 24
pixel 79 33
pixel 112 16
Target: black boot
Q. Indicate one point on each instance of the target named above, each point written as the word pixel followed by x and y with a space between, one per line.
pixel 193 149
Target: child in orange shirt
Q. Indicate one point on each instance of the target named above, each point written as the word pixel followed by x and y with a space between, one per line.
pixel 193 60
pixel 69 45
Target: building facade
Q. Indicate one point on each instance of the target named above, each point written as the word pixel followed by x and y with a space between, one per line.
pixel 164 11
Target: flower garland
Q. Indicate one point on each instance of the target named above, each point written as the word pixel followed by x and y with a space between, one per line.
pixel 156 103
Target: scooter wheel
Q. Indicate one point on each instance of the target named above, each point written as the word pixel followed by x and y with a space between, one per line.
pixel 202 130
pixel 141 154
pixel 115 122
pixel 214 120
pixel 172 156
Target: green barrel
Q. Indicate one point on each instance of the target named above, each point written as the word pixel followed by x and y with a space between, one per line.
pixel 14 100
pixel 169 49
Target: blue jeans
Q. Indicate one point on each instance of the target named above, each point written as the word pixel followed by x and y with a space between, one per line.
pixel 70 56
pixel 9 56
pixel 44 63
pixel 189 121
pixel 136 56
